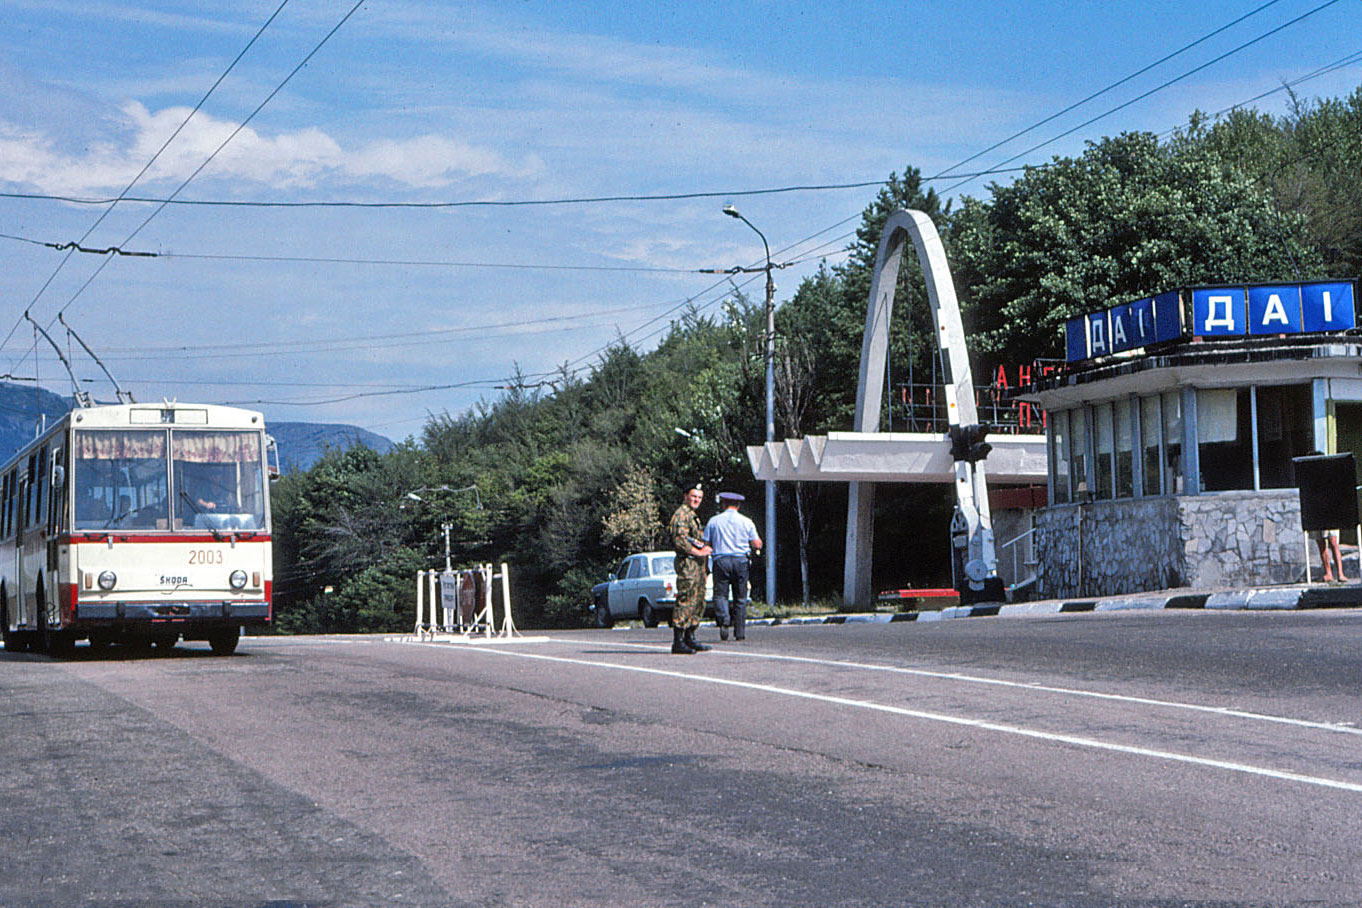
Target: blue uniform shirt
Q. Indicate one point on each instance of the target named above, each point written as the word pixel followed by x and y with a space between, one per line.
pixel 730 533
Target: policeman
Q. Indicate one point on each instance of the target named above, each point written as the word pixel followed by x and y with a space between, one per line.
pixel 691 562
pixel 733 537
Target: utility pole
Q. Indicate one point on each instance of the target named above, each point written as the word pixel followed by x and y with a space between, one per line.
pixel 770 534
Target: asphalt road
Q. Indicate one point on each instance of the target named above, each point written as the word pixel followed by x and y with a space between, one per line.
pixel 1132 759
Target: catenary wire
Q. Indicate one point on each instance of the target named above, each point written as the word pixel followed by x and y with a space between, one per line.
pixel 112 203
pixel 1157 88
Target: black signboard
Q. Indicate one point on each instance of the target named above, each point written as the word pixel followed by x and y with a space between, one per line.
pixel 1327 484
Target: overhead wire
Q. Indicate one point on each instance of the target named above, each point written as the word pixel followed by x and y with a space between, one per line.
pixel 234 133
pixel 942 175
pixel 112 203
pixel 1157 88
pixel 1101 91
pixel 483 203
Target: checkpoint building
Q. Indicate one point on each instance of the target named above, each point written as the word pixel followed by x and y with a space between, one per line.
pixel 1171 432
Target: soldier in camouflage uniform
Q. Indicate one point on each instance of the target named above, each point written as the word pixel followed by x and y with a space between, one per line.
pixel 686 532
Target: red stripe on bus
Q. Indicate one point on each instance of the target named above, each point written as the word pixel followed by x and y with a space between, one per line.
pixel 101 539
pixel 68 603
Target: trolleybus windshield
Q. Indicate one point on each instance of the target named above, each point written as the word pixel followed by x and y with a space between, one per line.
pixel 219 480
pixel 158 479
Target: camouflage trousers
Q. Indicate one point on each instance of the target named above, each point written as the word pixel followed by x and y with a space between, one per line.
pixel 690 593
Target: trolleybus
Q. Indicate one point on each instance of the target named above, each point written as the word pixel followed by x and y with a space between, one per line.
pixel 137 524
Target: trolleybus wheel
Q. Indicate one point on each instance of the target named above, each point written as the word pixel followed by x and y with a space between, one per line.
pixel 14 641
pixel 223 642
pixel 42 639
pixel 60 644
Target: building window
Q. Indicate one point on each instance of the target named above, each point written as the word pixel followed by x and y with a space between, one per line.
pixel 1078 454
pixel 1171 407
pixel 1224 438
pixel 1104 439
pixel 1060 442
pixel 1125 450
pixel 1285 430
pixel 1150 436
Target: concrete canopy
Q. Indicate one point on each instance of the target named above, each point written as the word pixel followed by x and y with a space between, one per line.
pixel 892 457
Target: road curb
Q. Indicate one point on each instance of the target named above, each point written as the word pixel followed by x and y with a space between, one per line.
pixel 1284 598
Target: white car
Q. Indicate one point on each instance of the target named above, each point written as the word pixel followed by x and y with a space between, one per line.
pixel 643 587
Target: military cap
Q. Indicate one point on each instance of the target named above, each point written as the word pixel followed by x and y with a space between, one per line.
pixel 732 497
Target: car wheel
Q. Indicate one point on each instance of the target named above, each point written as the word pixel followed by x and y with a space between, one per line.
pixel 647 613
pixel 603 619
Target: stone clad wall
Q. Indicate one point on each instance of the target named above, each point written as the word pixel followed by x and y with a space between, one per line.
pixel 1105 548
pixel 1243 538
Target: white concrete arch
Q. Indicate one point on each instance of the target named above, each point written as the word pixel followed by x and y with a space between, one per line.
pixel 971 493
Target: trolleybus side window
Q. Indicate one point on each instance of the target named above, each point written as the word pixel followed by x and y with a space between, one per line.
pixel 31 470
pixel 39 488
pixel 120 479
pixel 219 480
pixel 6 502
pixel 56 520
pixel 11 501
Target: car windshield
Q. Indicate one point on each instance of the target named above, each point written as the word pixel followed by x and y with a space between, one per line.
pixel 664 564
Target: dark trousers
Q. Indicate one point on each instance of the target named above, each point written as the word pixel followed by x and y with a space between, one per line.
pixel 730 576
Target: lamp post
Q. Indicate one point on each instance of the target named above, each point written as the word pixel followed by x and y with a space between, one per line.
pixel 445 527
pixel 770 405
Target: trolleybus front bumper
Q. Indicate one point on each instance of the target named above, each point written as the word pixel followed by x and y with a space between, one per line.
pixel 223 611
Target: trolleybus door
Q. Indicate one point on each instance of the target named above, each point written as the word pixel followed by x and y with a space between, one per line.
pixel 25 594
pixel 18 601
pixel 56 512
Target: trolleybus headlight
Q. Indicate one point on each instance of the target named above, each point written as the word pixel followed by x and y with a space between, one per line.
pixel 237 580
pixel 107 579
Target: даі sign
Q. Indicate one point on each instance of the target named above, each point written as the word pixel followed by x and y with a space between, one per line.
pixel 1231 311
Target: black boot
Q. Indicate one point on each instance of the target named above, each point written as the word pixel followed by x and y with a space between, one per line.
pixel 695 645
pixel 679 645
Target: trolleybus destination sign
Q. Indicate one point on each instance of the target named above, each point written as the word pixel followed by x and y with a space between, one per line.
pixel 1228 311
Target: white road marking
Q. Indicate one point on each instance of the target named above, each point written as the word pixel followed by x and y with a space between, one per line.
pixel 1043 688
pixel 1074 740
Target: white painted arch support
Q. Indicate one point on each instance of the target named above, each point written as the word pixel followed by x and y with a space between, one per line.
pixel 892 457
pixel 971 493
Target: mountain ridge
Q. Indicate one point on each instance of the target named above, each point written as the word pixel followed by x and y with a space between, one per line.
pixel 300 444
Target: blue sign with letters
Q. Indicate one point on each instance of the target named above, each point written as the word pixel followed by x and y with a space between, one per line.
pixel 1167 316
pixel 1274 310
pixel 1076 339
pixel 1099 334
pixel 1233 311
pixel 1328 307
pixel 1219 312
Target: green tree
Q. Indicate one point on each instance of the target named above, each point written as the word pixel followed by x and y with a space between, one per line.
pixel 1128 218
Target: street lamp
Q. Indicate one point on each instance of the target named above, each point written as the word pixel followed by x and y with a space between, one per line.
pixel 445 527
pixel 770 405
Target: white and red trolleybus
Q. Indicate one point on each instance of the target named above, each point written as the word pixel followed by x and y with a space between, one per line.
pixel 137 524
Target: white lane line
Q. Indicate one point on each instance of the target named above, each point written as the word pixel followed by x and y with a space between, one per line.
pixel 1043 688
pixel 1092 743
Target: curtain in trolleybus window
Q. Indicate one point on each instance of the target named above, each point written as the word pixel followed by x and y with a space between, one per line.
pixel 120 479
pixel 219 480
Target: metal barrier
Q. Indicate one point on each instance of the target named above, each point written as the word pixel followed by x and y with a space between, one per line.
pixel 465 601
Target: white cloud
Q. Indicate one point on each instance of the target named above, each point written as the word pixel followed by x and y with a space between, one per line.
pixel 301 157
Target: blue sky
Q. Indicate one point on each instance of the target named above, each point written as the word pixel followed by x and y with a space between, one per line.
pixel 344 314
